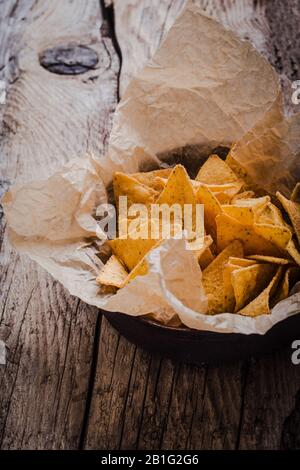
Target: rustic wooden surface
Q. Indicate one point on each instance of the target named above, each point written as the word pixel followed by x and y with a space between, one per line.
pixel 70 380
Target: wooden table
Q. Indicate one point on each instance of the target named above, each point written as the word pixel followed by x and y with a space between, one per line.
pixel 70 380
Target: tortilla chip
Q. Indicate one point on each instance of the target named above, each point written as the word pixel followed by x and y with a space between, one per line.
pixel 244 215
pixel 131 251
pixel 243 196
pixel 248 282
pixel 204 255
pixel 295 196
pixel 140 270
pixel 270 259
pixel 148 176
pixel 229 229
pixel 293 210
pixel 216 171
pixel 228 269
pixel 113 273
pixel 269 214
pixel 246 210
pixel 293 252
pixel 136 192
pixel 206 244
pixel 278 235
pixel 241 262
pixel 206 258
pixel 224 192
pixel 261 304
pixel 218 299
pixel 154 179
pixel 290 277
pixel 178 189
pixel 212 208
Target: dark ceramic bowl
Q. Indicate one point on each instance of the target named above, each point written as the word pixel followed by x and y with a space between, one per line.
pixel 203 347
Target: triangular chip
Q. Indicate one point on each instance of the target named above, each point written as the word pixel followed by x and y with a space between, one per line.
pixel 293 210
pixel 228 269
pixel 136 192
pixel 242 262
pixel 290 277
pixel 212 208
pixel 293 251
pixel 113 273
pixel 178 189
pixel 278 235
pixel 140 270
pixel 154 179
pixel 261 304
pixel 248 282
pixel 206 258
pixel 269 214
pixel 243 196
pixel 245 210
pixel 229 229
pixel 207 241
pixel 224 192
pixel 218 299
pixel 270 259
pixel 216 171
pixel 131 251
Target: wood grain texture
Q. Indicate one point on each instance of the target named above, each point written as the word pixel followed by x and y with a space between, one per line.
pixel 47 120
pixel 146 402
pixel 70 381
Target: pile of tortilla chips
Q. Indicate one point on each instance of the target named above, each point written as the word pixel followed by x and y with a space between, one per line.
pixel 250 257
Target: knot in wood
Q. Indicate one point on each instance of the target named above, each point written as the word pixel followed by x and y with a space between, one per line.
pixel 69 60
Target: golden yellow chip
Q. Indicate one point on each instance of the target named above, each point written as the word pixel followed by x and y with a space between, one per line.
pixel 241 262
pixel 219 300
pixel 229 229
pixel 178 189
pixel 293 251
pixel 244 215
pixel 261 304
pixel 140 270
pixel 290 277
pixel 131 251
pixel 216 171
pixel 245 210
pixel 113 273
pixel 269 214
pixel 270 259
pixel 275 234
pixel 207 241
pixel 206 258
pixel 249 281
pixel 154 179
pixel 224 192
pixel 293 210
pixel 136 192
pixel 204 255
pixel 243 196
pixel 227 285
pixel 212 208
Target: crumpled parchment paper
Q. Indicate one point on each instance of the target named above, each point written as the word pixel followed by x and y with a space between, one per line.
pixel 203 88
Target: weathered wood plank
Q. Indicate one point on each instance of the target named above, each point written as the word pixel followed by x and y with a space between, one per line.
pixel 48 119
pixel 149 402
